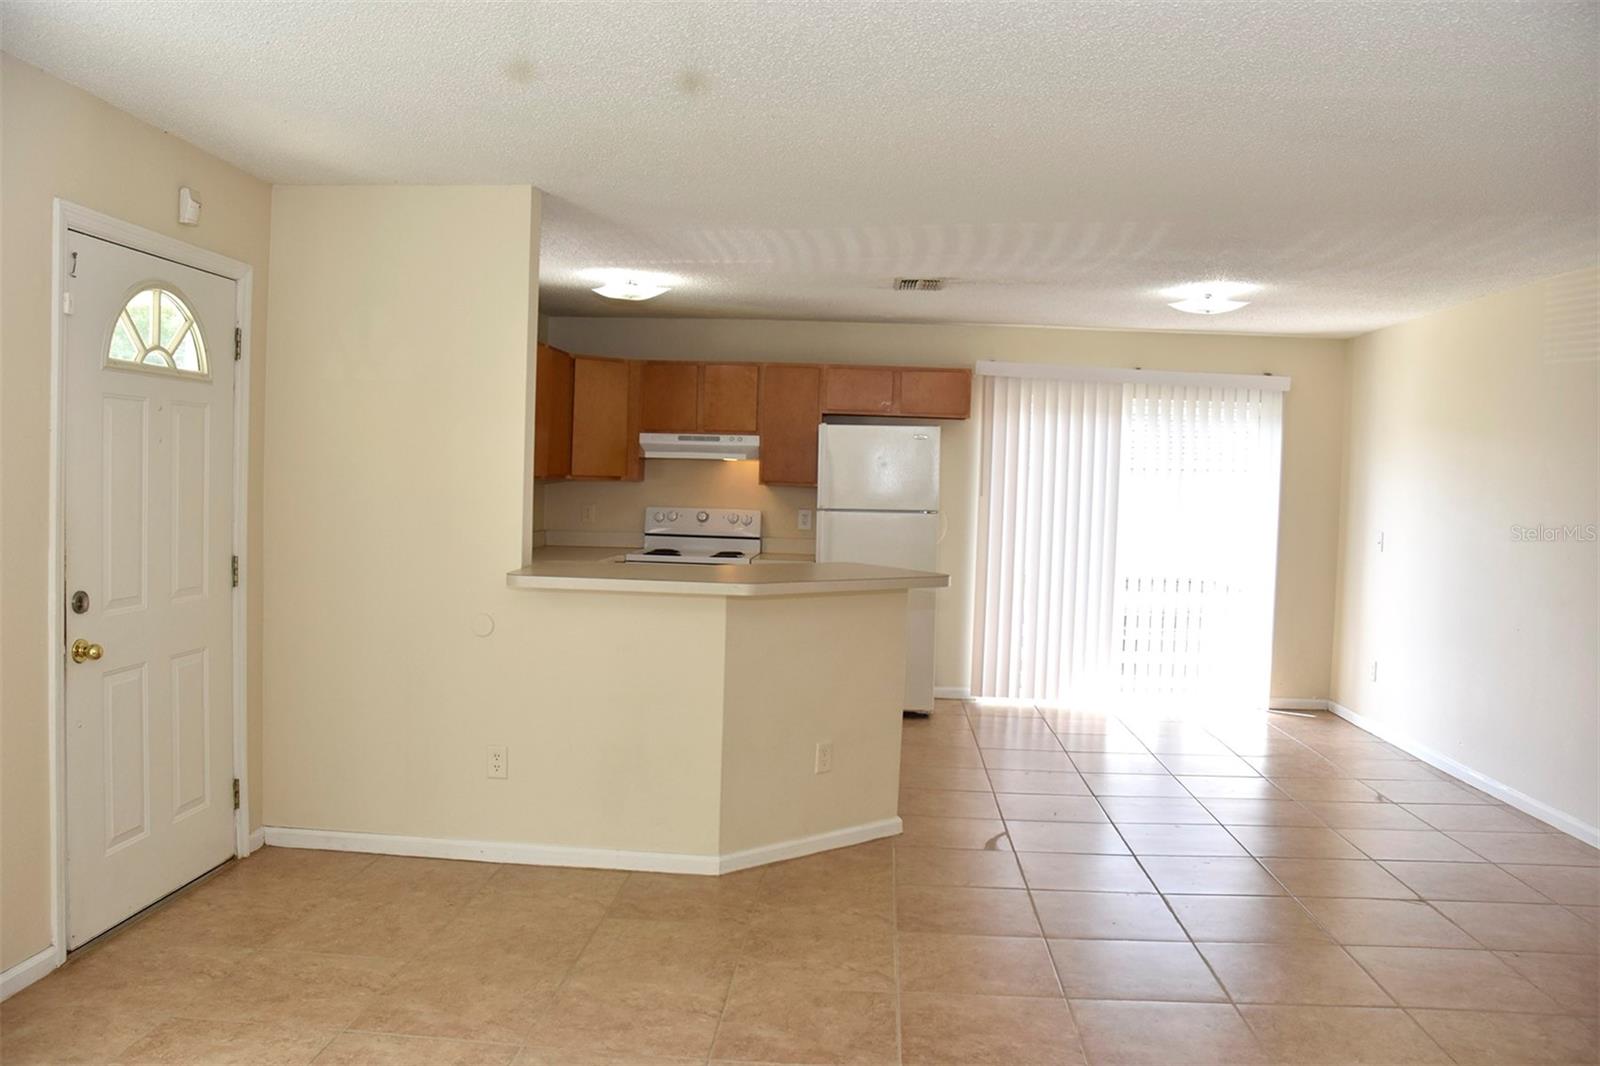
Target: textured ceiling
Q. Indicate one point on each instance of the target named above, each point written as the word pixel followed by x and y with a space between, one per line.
pixel 1362 162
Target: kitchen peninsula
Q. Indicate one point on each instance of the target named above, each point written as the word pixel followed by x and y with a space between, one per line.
pixel 755 715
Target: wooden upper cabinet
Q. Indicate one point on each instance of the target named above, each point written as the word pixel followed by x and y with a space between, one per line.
pixel 728 397
pixel 633 463
pixel 552 413
pixel 790 409
pixel 900 392
pixel 935 393
pixel 601 418
pixel 589 411
pixel 683 397
pixel 670 397
pixel 858 390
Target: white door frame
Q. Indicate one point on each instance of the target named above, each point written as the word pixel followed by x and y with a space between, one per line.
pixel 67 216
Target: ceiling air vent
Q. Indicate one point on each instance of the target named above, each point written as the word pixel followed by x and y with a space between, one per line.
pixel 918 284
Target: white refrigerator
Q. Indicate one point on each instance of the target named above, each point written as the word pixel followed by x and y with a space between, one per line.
pixel 878 502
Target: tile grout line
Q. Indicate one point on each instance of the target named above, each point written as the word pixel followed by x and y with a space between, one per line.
pixel 566 974
pixel 1334 941
pixel 1407 1011
pixel 395 978
pixel 894 933
pixel 1343 949
pixel 727 993
pixel 1193 946
pixel 1306 911
pixel 1033 905
pixel 1342 946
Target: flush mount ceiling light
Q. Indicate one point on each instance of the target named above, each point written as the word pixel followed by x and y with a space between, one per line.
pixel 630 289
pixel 629 284
pixel 1209 297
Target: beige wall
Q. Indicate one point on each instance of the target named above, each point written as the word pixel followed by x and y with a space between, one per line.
pixel 394 509
pixel 1464 424
pixel 800 671
pixel 57 141
pixel 394 501
pixel 1313 434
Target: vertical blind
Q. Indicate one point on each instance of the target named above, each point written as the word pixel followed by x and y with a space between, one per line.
pixel 1127 537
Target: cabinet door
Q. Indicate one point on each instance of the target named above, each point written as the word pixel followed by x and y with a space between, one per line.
pixel 789 412
pixel 935 393
pixel 858 390
pixel 600 417
pixel 728 397
pixel 633 463
pixel 669 397
pixel 552 413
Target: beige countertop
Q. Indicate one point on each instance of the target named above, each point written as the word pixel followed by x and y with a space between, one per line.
pixel 597 570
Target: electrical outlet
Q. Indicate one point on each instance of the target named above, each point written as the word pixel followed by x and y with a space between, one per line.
pixel 1374 669
pixel 824 762
pixel 802 520
pixel 589 515
pixel 497 760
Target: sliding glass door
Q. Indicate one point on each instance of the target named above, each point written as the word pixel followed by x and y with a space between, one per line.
pixel 1128 538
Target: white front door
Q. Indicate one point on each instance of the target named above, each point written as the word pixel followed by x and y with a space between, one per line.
pixel 148 497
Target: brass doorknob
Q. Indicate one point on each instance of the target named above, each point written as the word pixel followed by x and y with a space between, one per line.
pixel 83 651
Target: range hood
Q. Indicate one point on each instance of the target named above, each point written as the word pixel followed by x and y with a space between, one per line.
pixel 699 446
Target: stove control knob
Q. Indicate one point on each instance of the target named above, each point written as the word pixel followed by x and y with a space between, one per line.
pixel 733 518
pixel 702 517
pixel 747 519
pixel 660 516
pixel 672 517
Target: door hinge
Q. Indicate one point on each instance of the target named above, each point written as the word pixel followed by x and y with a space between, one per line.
pixel 236 793
pixel 235 571
pixel 238 344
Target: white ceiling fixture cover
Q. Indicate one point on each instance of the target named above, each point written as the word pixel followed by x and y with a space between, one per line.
pixel 630 289
pixel 1054 162
pixel 1210 297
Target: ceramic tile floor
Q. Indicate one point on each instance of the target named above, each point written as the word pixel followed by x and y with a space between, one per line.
pixel 1069 888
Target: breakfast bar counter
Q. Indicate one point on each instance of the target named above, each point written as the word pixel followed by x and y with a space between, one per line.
pixel 561 571
pixel 719 716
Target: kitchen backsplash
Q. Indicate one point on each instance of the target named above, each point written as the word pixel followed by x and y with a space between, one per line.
pixel 592 509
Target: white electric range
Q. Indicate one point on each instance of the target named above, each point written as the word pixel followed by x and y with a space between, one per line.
pixel 706 535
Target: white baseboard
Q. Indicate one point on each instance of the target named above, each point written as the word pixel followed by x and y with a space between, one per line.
pixel 1296 703
pixel 491 851
pixel 794 849
pixel 1523 802
pixel 951 692
pixel 593 858
pixel 257 841
pixel 28 971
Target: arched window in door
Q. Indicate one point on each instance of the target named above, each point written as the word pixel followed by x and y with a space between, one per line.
pixel 157 331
